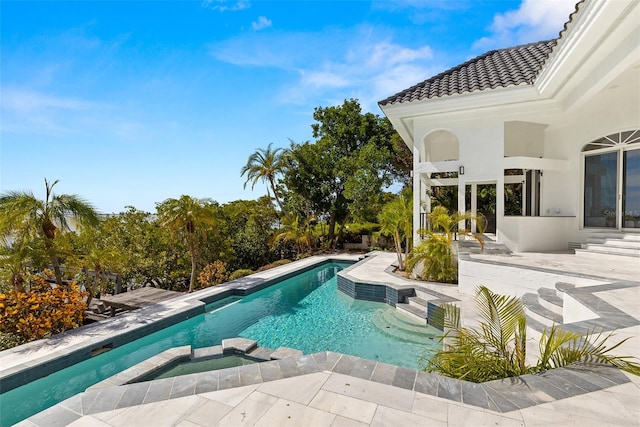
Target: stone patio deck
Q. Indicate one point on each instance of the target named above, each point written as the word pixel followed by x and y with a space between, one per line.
pixel 329 389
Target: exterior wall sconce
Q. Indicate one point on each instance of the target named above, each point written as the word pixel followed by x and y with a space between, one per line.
pixel 461 170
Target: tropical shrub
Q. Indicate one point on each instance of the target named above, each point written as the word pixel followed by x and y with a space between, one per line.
pixel 10 340
pixel 42 311
pixel 436 254
pixel 497 349
pixel 213 274
pixel 238 274
pixel 437 258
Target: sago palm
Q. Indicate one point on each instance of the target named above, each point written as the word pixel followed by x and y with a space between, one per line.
pixel 186 218
pixel 265 165
pixel 27 218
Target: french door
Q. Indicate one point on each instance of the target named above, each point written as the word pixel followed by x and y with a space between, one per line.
pixel 612 182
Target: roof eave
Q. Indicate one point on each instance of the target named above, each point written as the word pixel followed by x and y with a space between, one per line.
pixel 462 102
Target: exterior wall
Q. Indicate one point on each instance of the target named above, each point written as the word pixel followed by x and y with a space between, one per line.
pixel 611 110
pixel 536 233
pixel 588 88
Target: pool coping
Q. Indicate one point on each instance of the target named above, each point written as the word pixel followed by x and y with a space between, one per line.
pixel 501 396
pixel 77 345
pixel 243 347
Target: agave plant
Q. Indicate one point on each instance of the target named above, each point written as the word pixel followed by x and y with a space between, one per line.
pixel 497 349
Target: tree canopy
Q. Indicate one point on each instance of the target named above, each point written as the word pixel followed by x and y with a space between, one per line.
pixel 347 168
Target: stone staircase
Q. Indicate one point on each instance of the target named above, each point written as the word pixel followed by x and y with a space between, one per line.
pixel 589 312
pixel 544 308
pixel 611 243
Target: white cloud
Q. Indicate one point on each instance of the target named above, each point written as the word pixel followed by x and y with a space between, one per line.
pixel 261 23
pixel 534 21
pixel 365 63
pixel 29 111
pixel 226 5
pixel 323 79
pixel 30 101
pixel 387 54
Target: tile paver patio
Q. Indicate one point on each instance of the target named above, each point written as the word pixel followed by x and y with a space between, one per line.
pixel 326 389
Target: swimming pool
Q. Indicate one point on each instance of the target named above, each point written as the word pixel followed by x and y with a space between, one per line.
pixel 305 312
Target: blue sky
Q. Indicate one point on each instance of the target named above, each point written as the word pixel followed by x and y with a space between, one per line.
pixel 130 103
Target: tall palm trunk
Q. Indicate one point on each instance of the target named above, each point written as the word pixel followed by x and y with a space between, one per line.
pixel 51 250
pixel 49 231
pixel 192 252
pixel 275 194
pixel 397 241
pixel 331 236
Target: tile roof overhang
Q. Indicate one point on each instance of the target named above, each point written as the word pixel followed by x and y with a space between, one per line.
pixel 495 69
pixel 502 68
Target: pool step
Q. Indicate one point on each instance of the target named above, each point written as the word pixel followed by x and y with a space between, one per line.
pixel 399 320
pixel 398 325
pixel 414 310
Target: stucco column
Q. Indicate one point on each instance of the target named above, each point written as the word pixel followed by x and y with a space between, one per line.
pixel 461 198
pixel 499 201
pixel 417 193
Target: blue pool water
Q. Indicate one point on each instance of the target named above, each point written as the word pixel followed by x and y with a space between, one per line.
pixel 306 312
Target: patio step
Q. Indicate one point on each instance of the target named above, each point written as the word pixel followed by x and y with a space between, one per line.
pixel 597 237
pixel 549 299
pixel 536 311
pixel 611 243
pixel 607 249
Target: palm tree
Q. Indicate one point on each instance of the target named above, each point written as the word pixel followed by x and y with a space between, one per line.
pixel 437 253
pixel 25 218
pixel 265 165
pixel 186 218
pixel 296 229
pixel 497 348
pixel 396 221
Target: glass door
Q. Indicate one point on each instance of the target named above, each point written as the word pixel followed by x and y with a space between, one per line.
pixel 631 189
pixel 601 190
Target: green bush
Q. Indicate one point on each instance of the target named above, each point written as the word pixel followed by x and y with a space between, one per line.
pixel 240 273
pixel 9 340
pixel 280 262
pixel 213 274
pixel 436 256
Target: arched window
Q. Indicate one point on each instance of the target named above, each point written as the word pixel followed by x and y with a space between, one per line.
pixel 614 140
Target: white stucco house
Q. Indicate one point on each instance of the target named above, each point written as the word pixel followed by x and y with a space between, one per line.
pixel 555 124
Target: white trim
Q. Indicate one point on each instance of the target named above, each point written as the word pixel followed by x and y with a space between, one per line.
pixel 521 162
